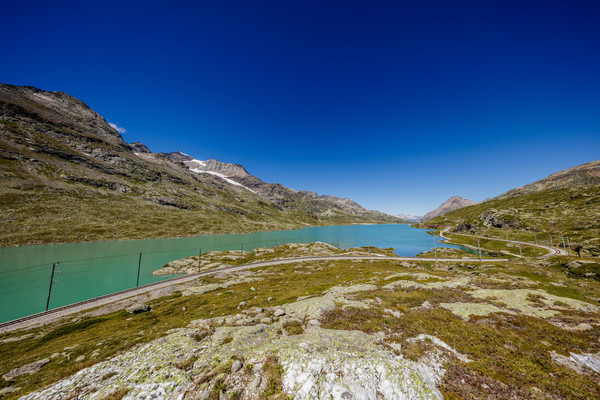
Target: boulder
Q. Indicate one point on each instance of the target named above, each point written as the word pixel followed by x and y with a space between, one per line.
pixel 138 308
pixel 236 366
pixel 26 369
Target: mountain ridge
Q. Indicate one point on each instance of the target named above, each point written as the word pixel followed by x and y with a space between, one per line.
pixel 68 176
pixel 453 203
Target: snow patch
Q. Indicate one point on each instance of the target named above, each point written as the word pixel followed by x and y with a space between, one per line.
pixel 198 170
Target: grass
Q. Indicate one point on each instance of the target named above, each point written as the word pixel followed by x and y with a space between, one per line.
pixel 569 212
pixel 510 350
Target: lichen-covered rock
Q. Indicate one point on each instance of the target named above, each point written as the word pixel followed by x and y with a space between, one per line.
pixel 317 363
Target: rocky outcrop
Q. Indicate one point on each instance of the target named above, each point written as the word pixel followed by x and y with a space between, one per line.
pixel 453 203
pixel 139 148
pixel 138 308
pixel 26 369
pixel 250 353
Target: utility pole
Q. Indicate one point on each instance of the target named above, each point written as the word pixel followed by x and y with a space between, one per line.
pixel 242 253
pixel 506 235
pixel 276 248
pixel 434 249
pixel 479 246
pixel 563 241
pixel 520 251
pixel 535 233
pixel 137 283
pixel 51 280
pixel 199 259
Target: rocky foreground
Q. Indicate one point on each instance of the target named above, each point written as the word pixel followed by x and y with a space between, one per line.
pixel 332 330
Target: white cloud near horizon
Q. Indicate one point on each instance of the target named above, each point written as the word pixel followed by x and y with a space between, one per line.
pixel 118 128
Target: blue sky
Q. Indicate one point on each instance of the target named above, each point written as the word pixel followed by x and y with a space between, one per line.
pixel 397 105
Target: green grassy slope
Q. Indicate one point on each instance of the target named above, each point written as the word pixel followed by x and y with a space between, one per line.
pixel 573 212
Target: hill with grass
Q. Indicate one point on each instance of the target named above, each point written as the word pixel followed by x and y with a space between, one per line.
pixel 566 204
pixel 68 176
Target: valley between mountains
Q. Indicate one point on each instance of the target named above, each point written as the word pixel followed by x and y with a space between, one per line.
pixel 518 320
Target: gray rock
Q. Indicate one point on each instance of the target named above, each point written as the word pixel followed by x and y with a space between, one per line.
pixel 9 389
pixel 138 308
pixel 591 361
pixel 236 366
pixel 242 304
pixel 279 312
pixel 80 358
pixel 254 384
pixel 26 369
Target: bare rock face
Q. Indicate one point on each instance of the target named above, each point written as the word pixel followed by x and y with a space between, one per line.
pixel 140 148
pixel 453 203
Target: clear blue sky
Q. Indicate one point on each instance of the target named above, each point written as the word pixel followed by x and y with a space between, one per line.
pixel 397 105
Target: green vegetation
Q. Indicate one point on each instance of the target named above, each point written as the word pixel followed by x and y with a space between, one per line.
pixel 512 351
pixel 498 248
pixel 571 212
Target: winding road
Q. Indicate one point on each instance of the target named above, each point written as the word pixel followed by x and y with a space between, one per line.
pixel 552 251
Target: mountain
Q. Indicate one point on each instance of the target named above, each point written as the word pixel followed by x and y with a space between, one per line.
pixel 567 203
pixel 68 176
pixel 410 218
pixel 453 203
pixel 579 176
pixel 237 175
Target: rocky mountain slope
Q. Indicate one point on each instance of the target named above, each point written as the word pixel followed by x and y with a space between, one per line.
pixel 237 175
pixel 67 176
pixel 566 204
pixel 453 203
pixel 579 176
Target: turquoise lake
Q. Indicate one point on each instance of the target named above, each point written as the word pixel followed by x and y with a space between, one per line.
pixel 89 270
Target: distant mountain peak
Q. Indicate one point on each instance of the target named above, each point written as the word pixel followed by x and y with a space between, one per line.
pixel 409 217
pixel 453 203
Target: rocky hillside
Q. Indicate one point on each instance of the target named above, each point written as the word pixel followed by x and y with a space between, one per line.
pixel 237 175
pixel 67 176
pixel 453 203
pixel 565 204
pixel 580 176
